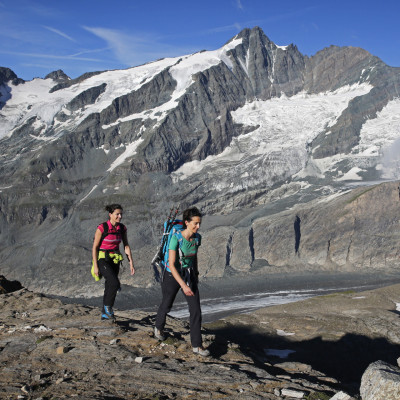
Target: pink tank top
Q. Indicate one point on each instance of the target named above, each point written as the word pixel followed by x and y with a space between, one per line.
pixel 114 237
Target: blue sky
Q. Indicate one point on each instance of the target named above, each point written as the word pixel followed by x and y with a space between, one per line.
pixel 77 36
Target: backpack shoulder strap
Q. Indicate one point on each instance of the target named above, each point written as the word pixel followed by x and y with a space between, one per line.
pixel 179 236
pixel 104 234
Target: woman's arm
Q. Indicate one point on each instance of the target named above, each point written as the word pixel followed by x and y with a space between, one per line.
pixel 128 252
pixel 95 250
pixel 171 265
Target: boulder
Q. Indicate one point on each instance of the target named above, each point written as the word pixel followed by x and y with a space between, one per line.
pixel 381 381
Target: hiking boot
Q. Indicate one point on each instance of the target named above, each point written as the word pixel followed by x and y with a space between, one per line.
pixel 159 334
pixel 108 314
pixel 201 351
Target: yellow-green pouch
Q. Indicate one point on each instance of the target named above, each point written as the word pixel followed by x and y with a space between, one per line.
pixel 116 257
pixel 96 278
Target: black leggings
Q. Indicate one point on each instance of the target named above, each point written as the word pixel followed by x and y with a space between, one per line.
pixel 110 272
pixel 170 288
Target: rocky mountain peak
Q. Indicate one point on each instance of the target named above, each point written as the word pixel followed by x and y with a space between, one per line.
pixel 58 76
pixel 7 75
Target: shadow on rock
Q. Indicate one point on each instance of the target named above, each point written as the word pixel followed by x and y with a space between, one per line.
pixel 7 286
pixel 345 359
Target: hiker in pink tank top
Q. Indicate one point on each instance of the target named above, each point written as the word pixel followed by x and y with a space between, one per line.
pixel 107 257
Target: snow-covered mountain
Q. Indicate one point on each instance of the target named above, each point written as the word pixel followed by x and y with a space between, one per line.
pixel 251 124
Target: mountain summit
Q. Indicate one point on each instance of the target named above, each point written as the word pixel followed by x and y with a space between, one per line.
pixel 224 129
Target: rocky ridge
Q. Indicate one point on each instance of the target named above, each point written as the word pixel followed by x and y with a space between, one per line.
pixel 316 349
pixel 53 350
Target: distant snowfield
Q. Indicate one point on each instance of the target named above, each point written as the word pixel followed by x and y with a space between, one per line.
pixel 183 72
pixel 380 137
pixel 33 100
pixel 286 125
pixel 379 133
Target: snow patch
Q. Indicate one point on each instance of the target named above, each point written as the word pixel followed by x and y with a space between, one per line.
pixel 129 152
pixel 103 147
pixel 380 137
pixel 351 175
pixel 93 188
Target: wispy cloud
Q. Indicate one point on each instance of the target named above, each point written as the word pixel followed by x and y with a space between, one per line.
pixel 58 32
pixel 239 4
pixel 233 27
pixel 49 56
pixel 133 50
pixel 91 51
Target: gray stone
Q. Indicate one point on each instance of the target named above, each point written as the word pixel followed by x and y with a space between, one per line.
pixel 341 396
pixel 296 394
pixel 380 381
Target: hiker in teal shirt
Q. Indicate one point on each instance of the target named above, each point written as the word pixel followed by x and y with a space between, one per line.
pixel 182 273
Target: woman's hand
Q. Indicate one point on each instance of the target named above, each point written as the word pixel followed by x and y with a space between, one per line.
pixel 96 270
pixel 128 253
pixel 186 289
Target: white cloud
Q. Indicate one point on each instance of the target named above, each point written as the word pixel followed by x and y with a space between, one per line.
pixel 133 50
pixel 58 32
pixel 239 4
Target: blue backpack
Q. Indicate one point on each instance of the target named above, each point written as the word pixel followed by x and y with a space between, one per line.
pixel 172 226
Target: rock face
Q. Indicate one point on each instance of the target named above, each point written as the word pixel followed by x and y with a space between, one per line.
pixel 243 132
pixel 49 349
pixel 358 231
pixel 381 381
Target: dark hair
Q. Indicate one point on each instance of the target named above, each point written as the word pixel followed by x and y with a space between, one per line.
pixel 112 207
pixel 189 213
